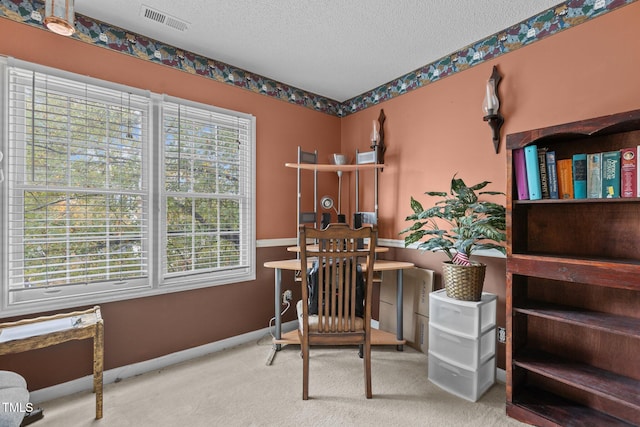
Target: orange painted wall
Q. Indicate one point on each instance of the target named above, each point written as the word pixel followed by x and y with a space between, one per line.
pixel 430 133
pixel 145 328
pixel 433 132
pixel 587 71
pixel 280 127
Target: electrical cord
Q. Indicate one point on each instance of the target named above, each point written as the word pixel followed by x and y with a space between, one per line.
pixel 274 318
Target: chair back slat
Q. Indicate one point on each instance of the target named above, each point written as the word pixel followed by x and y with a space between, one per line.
pixel 337 255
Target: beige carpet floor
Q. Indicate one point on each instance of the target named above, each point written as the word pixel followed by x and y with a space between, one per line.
pixel 235 387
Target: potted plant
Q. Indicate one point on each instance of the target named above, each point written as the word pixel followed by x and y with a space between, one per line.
pixel 459 224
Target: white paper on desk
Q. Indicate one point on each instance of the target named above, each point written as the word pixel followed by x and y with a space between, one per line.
pixel 35 329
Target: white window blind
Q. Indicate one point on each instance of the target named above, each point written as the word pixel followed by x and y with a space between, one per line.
pixel 113 192
pixel 77 187
pixel 208 191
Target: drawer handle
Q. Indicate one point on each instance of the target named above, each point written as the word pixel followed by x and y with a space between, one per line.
pixel 450 368
pixel 455 310
pixel 450 338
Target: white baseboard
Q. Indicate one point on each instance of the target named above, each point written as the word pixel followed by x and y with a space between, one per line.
pixel 501 376
pixel 117 374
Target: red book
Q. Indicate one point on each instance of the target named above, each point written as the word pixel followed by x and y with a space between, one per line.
pixel 628 172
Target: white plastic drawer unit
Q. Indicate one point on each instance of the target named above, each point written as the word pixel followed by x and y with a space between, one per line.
pixel 467 353
pixel 470 318
pixel 464 383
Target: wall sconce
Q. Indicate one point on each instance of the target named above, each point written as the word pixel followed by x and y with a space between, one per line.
pixel 491 106
pixel 377 137
pixel 59 16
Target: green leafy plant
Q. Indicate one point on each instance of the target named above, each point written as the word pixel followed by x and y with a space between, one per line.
pixel 472 224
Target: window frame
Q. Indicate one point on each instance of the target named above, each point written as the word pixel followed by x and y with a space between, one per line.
pixel 46 299
pixel 248 220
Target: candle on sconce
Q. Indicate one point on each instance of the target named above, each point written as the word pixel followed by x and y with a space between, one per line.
pixel 491 103
pixel 491 107
pixel 375 136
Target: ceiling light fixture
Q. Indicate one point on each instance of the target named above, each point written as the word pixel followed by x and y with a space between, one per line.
pixel 59 16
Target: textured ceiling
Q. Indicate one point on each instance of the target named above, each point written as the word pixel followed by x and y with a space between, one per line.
pixel 335 48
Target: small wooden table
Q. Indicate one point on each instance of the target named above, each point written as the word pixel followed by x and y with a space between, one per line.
pixel 377 337
pixel 45 331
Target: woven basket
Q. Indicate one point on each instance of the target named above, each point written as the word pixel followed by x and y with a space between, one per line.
pixel 463 282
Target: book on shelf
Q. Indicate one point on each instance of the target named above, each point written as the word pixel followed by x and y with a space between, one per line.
pixel 611 174
pixel 533 172
pixel 520 169
pixel 542 166
pixel 628 172
pixel 579 175
pixel 594 175
pixel 565 178
pixel 552 174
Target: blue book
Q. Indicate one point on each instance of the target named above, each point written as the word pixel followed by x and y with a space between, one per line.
pixel 611 174
pixel 552 175
pixel 533 172
pixel 580 176
pixel 594 176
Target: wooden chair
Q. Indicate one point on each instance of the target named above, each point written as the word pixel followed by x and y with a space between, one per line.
pixel 334 252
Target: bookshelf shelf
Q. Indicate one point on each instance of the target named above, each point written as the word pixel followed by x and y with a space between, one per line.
pixel 610 273
pixel 615 324
pixel 576 201
pixel 621 389
pixel 549 406
pixel 573 290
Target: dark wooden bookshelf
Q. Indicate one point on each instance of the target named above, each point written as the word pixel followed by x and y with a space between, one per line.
pixel 582 376
pixel 571 201
pixel 547 407
pixel 573 291
pixel 612 323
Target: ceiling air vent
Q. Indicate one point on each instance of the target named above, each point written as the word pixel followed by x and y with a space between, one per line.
pixel 163 18
pixel 176 23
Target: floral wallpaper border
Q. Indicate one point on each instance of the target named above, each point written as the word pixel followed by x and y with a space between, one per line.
pixel 565 15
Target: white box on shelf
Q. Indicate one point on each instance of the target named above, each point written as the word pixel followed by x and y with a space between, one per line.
pixel 470 318
pixel 467 353
pixel 464 383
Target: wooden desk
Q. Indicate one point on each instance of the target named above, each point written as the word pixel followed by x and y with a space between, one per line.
pixel 40 332
pixel 378 249
pixel 377 337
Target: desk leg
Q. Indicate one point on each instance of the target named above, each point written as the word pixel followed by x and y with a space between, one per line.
pixel 98 366
pixel 399 314
pixel 278 288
